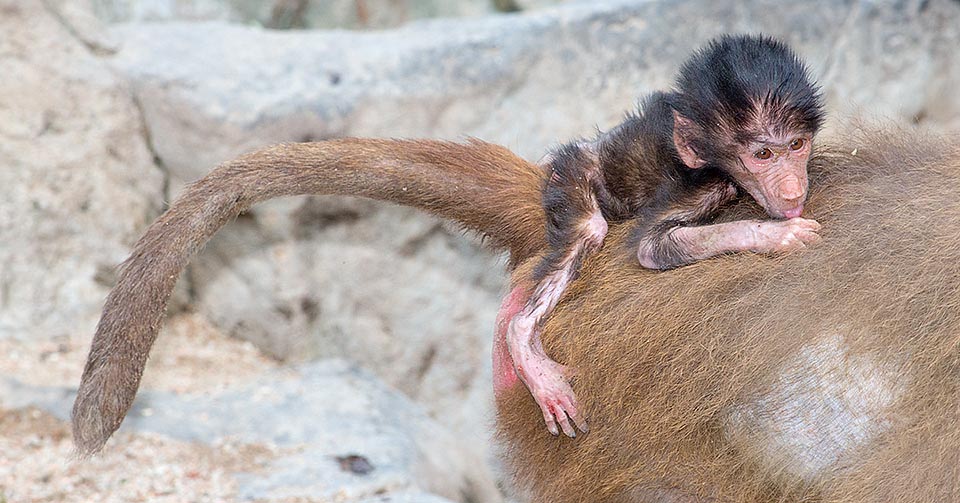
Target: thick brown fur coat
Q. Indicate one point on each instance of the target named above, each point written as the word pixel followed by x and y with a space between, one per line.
pixel 832 374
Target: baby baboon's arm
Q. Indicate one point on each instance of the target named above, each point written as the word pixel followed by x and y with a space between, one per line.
pixel 665 239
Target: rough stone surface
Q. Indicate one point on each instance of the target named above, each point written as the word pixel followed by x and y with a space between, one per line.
pixel 526 81
pixel 354 14
pixel 392 290
pixel 78 181
pixel 406 497
pixel 37 465
pixel 336 432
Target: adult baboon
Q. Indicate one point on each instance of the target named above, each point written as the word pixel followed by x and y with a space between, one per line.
pixel 827 375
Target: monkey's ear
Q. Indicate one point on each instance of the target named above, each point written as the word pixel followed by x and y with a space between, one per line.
pixel 684 130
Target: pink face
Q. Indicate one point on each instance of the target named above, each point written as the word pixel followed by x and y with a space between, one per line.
pixel 774 172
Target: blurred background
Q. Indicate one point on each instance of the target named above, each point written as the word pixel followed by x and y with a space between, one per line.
pixel 329 349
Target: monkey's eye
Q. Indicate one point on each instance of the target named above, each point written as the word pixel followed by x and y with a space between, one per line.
pixel 797 144
pixel 763 154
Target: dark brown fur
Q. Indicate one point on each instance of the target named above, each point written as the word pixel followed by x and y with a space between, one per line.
pixel 687 374
pixel 484 187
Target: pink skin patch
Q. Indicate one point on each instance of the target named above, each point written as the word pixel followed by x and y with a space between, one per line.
pixel 596 230
pixel 504 376
pixel 544 378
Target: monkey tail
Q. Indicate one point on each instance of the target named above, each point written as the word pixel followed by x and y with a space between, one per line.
pixel 484 187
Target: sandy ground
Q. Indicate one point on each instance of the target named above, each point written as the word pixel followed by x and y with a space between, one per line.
pixel 36 451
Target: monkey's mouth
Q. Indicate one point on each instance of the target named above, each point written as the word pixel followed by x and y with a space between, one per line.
pixel 793 212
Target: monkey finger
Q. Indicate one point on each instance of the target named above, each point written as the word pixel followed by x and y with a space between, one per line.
pixel 550 422
pixel 809 237
pixel 565 423
pixel 790 242
pixel 804 223
pixel 581 423
pixel 578 418
pixel 572 407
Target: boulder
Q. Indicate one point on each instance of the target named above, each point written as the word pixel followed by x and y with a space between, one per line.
pixel 334 431
pixel 79 181
pixel 211 90
pixel 341 433
pixel 313 14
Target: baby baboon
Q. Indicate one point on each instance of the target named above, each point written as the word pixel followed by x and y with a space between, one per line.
pixel 742 117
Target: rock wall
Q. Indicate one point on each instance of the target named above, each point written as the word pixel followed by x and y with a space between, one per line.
pixel 311 14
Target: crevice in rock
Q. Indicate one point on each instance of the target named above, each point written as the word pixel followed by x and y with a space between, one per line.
pixel 417 243
pixel 426 362
pixel 186 279
pixel 4 293
pixel 148 141
pixel 288 14
pixel 314 216
pixel 92 46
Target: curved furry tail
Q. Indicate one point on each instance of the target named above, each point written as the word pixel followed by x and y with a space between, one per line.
pixel 484 187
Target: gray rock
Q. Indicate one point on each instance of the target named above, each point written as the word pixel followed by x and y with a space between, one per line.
pixel 405 497
pixel 78 181
pixel 391 290
pixel 340 434
pixel 299 13
pixel 537 78
pixel 897 60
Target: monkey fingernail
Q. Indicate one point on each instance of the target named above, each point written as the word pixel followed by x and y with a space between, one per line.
pixel 583 426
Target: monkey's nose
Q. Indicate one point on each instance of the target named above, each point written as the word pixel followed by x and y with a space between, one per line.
pixel 791 189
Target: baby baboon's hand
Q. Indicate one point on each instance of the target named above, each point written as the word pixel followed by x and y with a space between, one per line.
pixel 781 236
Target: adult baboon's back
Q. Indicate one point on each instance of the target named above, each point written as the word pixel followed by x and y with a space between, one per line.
pixel 829 375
